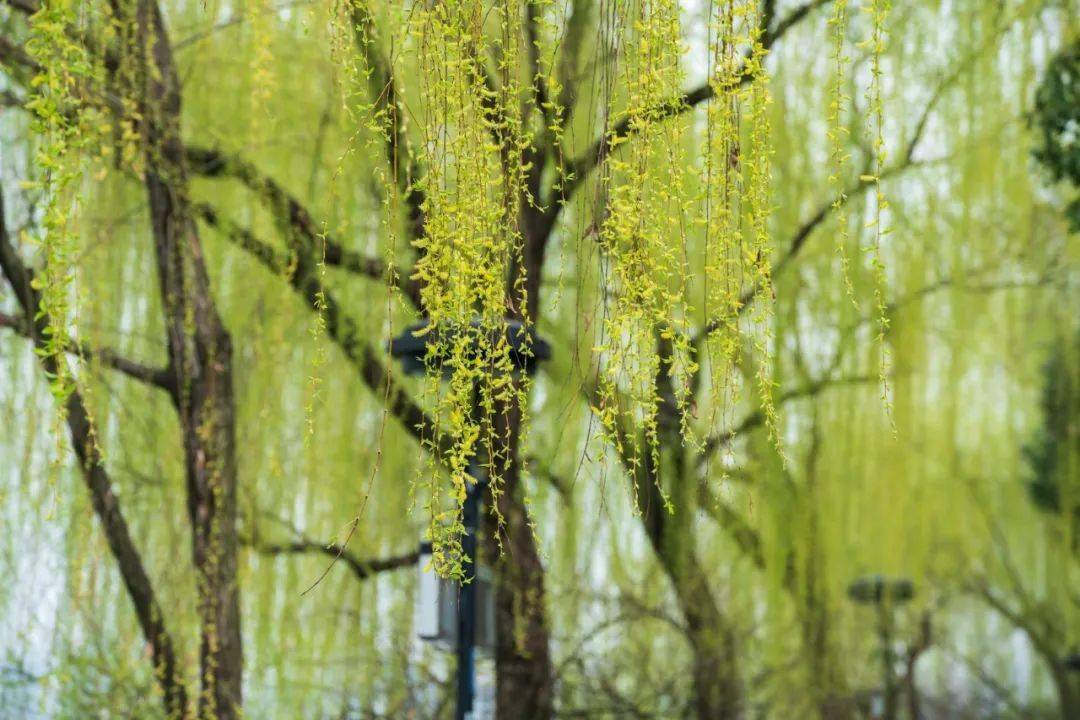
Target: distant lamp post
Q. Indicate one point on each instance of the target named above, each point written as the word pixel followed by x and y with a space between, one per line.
pixel 885 594
pixel 463 617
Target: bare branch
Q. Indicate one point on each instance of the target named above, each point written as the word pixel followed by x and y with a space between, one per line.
pixel 362 568
pixel 268 255
pixel 562 486
pixel 292 214
pixel 157 377
pixel 10 99
pixel 793 18
pixel 103 498
pixel 13 55
pixel 745 537
pixel 341 328
pixel 26 7
pixel 757 418
pixel 238 18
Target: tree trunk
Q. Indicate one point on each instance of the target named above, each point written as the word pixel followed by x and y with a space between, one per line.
pixel 717 692
pixel 829 684
pixel 524 675
pixel 717 689
pixel 1067 685
pixel 200 357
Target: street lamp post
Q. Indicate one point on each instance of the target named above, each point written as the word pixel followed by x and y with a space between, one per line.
pixel 526 351
pixel 885 594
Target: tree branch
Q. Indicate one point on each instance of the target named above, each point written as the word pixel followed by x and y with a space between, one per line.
pixel 14 55
pixel 362 568
pixel 102 496
pixel 388 104
pixel 803 233
pixel 10 99
pixel 26 7
pixel 572 42
pixel 906 163
pixel 157 377
pixel 757 418
pixel 291 213
pixel 532 42
pixel 340 327
pixel 744 536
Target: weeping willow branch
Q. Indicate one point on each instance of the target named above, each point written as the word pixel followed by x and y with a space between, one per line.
pixel 103 498
pixel 213 164
pixel 239 18
pixel 532 42
pixel 865 182
pixel 802 235
pixel 805 231
pixel 578 170
pixel 757 418
pixel 388 103
pixel 157 377
pixel 15 57
pixel 292 213
pixel 340 327
pixel 951 282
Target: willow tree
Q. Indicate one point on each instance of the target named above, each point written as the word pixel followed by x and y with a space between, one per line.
pixel 715 212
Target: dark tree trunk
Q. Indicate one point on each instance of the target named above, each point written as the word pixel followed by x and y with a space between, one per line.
pixel 524 676
pixel 522 656
pixel 717 691
pixel 524 673
pixel 716 682
pixel 200 357
pixel 831 695
pixel 1067 685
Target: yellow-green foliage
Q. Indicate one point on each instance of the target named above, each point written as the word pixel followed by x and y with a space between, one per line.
pixel 65 106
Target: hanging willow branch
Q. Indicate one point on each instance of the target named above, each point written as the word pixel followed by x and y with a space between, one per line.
pixel 578 170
